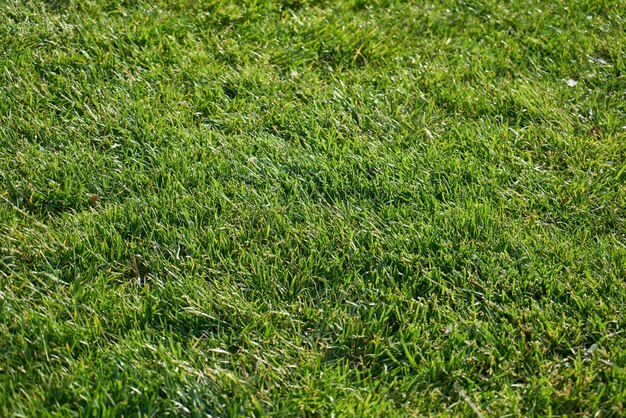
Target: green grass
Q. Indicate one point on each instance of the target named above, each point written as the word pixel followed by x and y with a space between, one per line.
pixel 312 208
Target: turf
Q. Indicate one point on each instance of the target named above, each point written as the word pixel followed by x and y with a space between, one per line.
pixel 312 208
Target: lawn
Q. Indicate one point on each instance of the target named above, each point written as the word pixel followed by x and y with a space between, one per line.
pixel 312 208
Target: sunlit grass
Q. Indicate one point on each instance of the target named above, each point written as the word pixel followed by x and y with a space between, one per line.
pixel 306 208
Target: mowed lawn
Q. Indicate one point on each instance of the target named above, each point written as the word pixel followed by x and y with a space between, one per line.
pixel 312 208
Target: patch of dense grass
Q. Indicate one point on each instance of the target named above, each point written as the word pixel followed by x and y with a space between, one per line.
pixel 312 208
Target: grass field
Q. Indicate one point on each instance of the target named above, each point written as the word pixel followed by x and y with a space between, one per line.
pixel 312 208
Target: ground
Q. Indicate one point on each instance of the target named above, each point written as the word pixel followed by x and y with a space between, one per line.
pixel 312 208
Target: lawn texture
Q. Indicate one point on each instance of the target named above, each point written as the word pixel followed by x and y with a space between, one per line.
pixel 312 208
